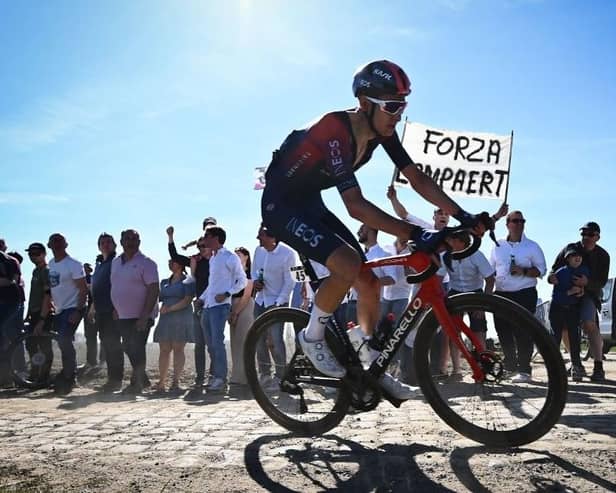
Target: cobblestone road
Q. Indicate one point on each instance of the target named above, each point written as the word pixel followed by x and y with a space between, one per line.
pixel 91 442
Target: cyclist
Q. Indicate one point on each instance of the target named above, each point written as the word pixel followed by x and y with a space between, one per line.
pixel 325 154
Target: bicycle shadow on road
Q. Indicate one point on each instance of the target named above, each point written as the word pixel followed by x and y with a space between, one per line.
pixel 333 463
pixel 460 464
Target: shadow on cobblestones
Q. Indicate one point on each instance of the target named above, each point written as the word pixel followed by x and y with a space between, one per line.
pixel 331 462
pixel 597 424
pixel 460 463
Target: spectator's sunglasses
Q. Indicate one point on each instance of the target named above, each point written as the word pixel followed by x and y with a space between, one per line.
pixel 391 107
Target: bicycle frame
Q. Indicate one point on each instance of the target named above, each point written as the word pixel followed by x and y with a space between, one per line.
pixel 430 294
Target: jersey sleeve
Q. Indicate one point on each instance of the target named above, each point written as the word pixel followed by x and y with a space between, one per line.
pixel 335 141
pixel 397 153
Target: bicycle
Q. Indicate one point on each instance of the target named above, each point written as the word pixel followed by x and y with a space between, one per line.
pixel 484 406
pixel 34 358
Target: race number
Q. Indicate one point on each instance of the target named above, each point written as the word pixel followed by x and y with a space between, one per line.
pixel 298 273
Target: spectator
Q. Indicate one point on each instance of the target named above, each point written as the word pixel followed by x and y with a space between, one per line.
pixel 597 260
pixel 134 294
pixel 175 324
pixel 208 221
pixel 518 262
pixel 101 314
pixel 240 320
pixel 565 305
pixel 468 275
pixel 39 314
pixel 200 272
pixel 10 300
pixel 271 271
pixel 68 293
pixel 226 278
pixel 3 246
pixel 386 276
pixel 90 329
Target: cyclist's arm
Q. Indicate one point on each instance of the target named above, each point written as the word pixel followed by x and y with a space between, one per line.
pixel 421 183
pixel 366 212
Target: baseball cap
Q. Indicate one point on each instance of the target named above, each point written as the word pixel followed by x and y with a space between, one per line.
pixel 572 250
pixel 36 247
pixel 210 220
pixel 591 226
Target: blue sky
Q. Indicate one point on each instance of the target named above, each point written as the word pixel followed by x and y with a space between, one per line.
pixel 143 114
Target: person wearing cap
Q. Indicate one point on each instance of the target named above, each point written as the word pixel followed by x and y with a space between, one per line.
pixel 597 260
pixel 39 314
pixel 175 324
pixel 208 221
pixel 565 305
pixel 68 293
pixel 134 294
pixel 518 262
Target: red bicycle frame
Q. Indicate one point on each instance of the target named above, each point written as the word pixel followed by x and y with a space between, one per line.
pixel 431 294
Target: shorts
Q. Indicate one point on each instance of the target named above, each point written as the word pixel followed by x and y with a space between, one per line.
pixel 307 226
pixel 588 310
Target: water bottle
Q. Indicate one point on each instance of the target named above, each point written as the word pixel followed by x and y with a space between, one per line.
pixel 511 265
pixel 260 275
pixel 359 341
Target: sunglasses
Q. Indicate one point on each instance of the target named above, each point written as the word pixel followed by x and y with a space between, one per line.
pixel 587 233
pixel 391 107
pixel 34 254
pixel 517 221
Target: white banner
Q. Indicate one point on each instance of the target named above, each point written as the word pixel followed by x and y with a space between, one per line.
pixel 259 178
pixel 469 164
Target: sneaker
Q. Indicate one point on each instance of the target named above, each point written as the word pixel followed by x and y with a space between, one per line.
pixel 110 387
pixel 521 378
pixel 132 389
pixel 396 388
pixel 194 394
pixel 577 373
pixel 598 375
pixel 321 356
pixel 215 384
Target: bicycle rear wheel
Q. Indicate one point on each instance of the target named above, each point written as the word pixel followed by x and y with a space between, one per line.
pixel 503 412
pixel 284 382
pixel 34 360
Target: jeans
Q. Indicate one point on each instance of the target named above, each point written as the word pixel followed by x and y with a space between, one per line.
pixel 516 343
pixel 91 332
pixel 66 333
pixel 9 319
pixel 213 320
pixel 133 343
pixel 111 341
pixel 274 343
pixel 393 306
pixel 567 316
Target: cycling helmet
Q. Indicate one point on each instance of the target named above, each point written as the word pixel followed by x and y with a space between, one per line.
pixel 379 78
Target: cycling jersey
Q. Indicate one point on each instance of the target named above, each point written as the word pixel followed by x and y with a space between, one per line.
pixel 310 160
pixel 322 155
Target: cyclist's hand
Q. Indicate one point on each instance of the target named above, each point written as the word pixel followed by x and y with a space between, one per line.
pixel 477 223
pixel 427 240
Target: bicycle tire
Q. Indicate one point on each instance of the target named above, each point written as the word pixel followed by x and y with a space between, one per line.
pixel 24 376
pixel 458 404
pixel 288 420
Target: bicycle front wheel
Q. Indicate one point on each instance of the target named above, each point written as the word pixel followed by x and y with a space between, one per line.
pixel 504 411
pixel 284 382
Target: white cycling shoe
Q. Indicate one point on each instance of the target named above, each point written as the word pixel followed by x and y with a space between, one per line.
pixel 397 389
pixel 321 356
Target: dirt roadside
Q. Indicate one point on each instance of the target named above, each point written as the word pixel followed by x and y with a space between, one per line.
pixel 90 442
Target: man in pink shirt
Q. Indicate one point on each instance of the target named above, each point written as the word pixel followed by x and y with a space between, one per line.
pixel 134 294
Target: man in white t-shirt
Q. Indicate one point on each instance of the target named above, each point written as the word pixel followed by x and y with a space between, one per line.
pixel 67 281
